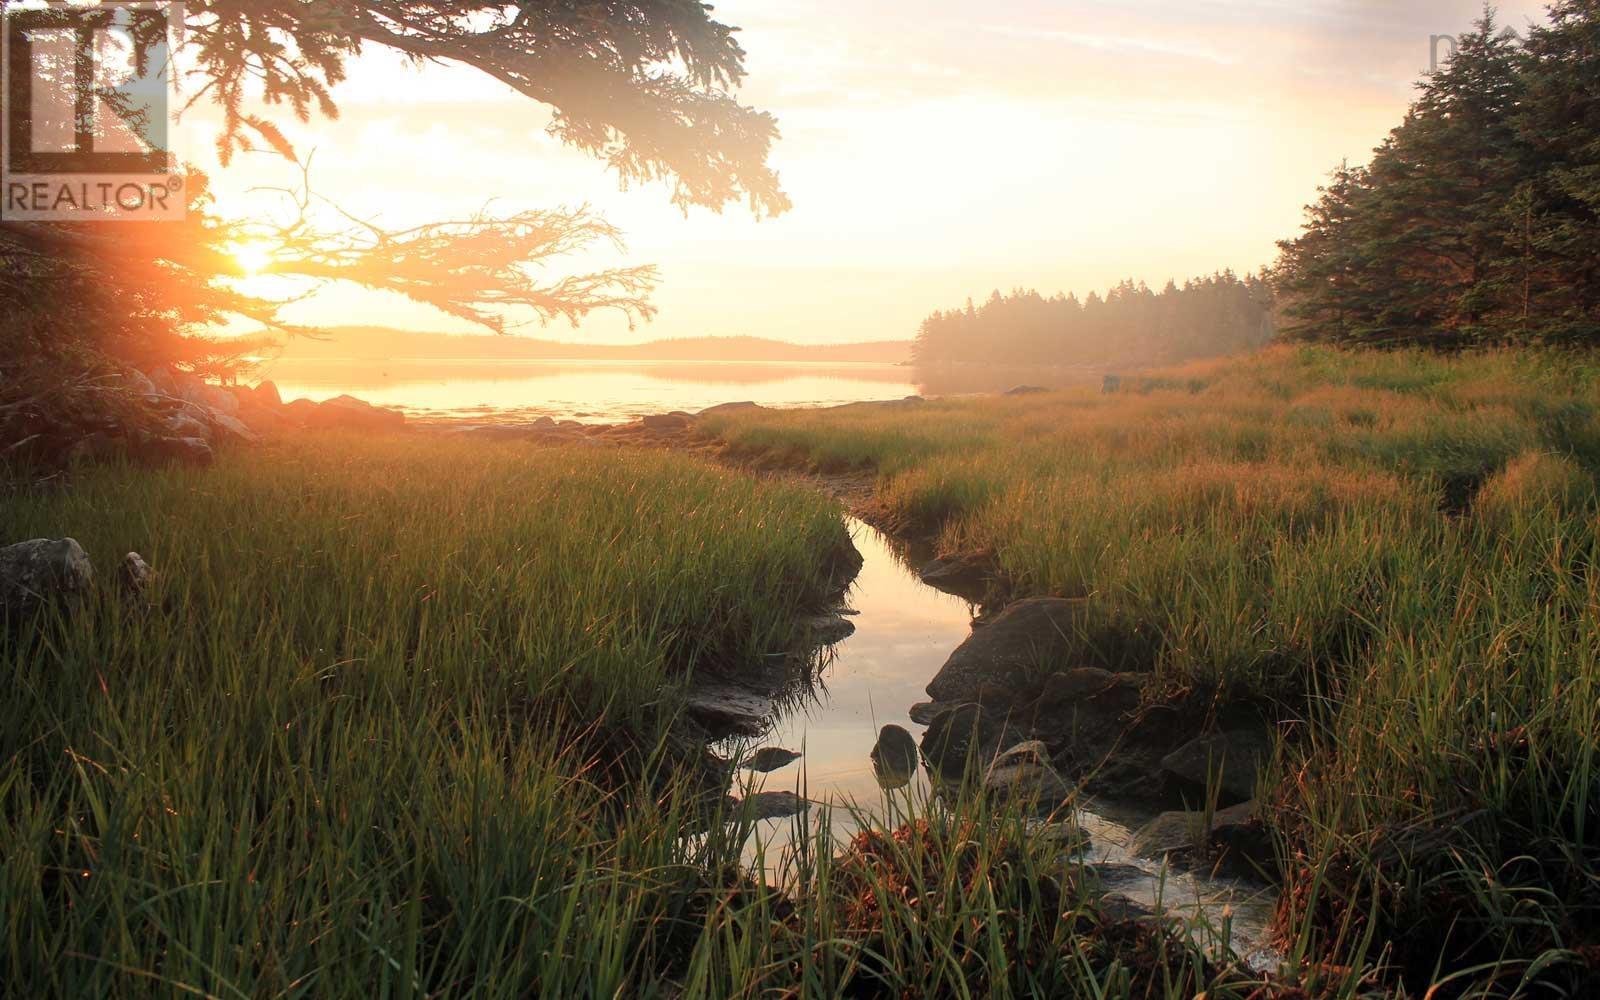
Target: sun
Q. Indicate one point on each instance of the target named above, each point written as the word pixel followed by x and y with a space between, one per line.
pixel 252 258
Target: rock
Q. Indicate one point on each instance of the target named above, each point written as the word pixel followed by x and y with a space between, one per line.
pixel 166 384
pixel 300 411
pixel 1233 836
pixel 266 394
pixel 350 413
pixel 830 629
pixel 1231 760
pixel 1025 390
pixel 1025 772
pixel 220 399
pixel 42 571
pixel 769 759
pixel 923 712
pixel 92 447
pixel 134 576
pixel 895 757
pixel 722 408
pixel 962 733
pixel 1115 908
pixel 181 450
pixel 1175 832
pixel 265 421
pixel 964 575
pixel 187 424
pixel 1030 637
pixel 775 805
pixel 233 429
pixel 666 421
pixel 545 424
pixel 724 708
pixel 139 384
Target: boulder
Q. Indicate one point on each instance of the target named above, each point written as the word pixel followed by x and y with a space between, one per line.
pixel 923 712
pixel 266 394
pixel 963 733
pixel 829 629
pixel 139 384
pixel 215 397
pixel 722 408
pixel 1234 836
pixel 775 805
pixel 134 576
pixel 264 421
pixel 350 413
pixel 895 757
pixel 178 450
pixel 1025 772
pixel 724 709
pixel 232 429
pixel 300 411
pixel 964 575
pixel 666 421
pixel 42 571
pixel 164 381
pixel 769 759
pixel 187 424
pixel 1029 638
pixel 1231 760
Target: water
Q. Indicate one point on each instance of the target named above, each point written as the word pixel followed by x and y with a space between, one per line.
pixel 904 632
pixel 612 392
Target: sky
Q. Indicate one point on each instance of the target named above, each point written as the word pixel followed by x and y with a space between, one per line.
pixel 934 151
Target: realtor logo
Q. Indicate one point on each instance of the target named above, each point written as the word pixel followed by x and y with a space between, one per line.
pixel 86 113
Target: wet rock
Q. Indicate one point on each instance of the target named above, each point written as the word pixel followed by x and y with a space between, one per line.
pixel 350 413
pixel 775 805
pixel 1026 390
pixel 964 575
pixel 830 629
pixel 1025 772
pixel 1176 832
pixel 1231 760
pixel 1067 837
pixel 965 733
pixel 744 406
pixel 134 575
pixel 1029 638
pixel 1190 835
pixel 923 712
pixel 725 709
pixel 895 757
pixel 769 759
pixel 1115 908
pixel 42 571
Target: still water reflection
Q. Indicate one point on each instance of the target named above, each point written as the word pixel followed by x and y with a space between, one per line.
pixel 905 630
pixel 607 392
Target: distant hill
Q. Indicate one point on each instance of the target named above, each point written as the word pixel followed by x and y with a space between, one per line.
pixel 381 343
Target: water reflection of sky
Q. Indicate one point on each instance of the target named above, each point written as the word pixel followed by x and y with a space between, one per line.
pixel 603 392
pixel 596 392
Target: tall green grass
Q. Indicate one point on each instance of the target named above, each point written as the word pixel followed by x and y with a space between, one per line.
pixel 400 718
pixel 1396 552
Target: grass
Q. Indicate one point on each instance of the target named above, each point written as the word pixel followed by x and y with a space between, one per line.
pixel 400 718
pixel 1396 553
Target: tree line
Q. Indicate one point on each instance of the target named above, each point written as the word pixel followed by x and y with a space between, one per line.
pixel 1477 223
pixel 1130 324
pixel 1478 220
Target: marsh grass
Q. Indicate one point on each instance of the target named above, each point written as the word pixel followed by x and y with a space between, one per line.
pixel 400 718
pixel 1395 552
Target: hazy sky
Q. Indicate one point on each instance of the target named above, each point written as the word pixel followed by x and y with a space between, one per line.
pixel 933 151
